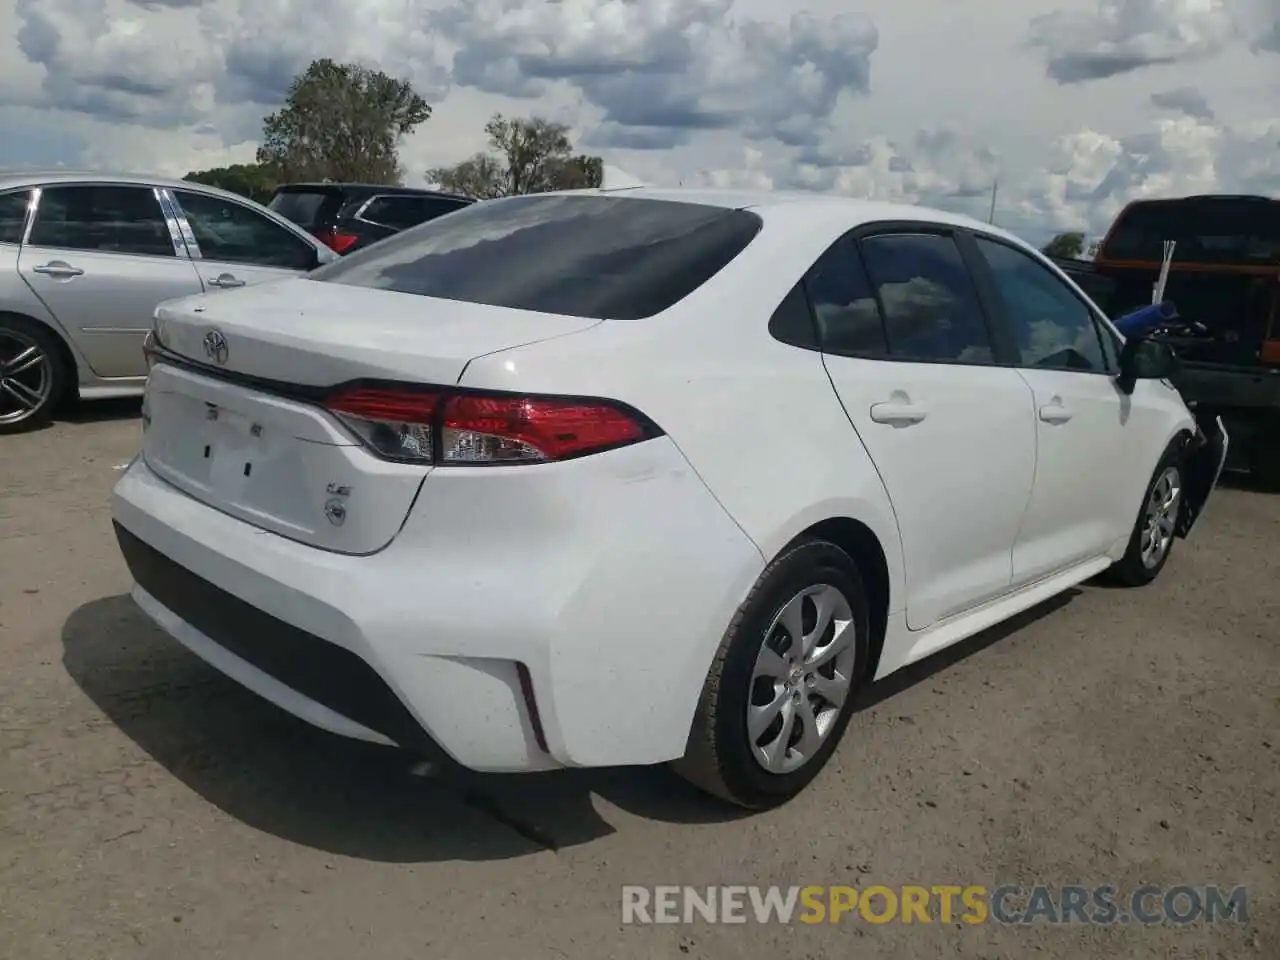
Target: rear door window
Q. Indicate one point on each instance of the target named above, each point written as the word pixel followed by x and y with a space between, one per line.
pixel 930 304
pixel 844 304
pixel 13 215
pixel 581 256
pixel 107 219
pixel 229 232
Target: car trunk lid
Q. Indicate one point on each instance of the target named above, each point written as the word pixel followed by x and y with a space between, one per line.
pixel 318 334
pixel 235 417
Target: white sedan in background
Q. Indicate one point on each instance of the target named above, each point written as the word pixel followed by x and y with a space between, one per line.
pixel 625 477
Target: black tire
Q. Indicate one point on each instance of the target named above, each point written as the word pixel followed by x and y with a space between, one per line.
pixel 719 757
pixel 1132 570
pixel 49 379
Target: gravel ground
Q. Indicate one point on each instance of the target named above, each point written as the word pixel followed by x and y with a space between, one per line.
pixel 151 808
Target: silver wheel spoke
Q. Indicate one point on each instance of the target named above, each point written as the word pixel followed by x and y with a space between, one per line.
pixel 771 664
pixel 824 603
pixel 759 718
pixel 839 643
pixel 792 620
pixel 810 736
pixel 831 689
pixel 775 752
pixel 28 359
pixel 21 393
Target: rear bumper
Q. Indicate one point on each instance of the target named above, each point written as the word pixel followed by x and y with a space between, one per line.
pixel 562 618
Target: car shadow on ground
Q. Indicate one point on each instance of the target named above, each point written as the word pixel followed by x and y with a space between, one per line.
pixel 277 774
pixel 99 411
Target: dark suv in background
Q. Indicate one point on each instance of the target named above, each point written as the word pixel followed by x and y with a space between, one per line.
pixel 348 216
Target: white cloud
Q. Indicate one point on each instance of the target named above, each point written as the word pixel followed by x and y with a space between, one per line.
pixel 1091 175
pixel 1074 105
pixel 1120 36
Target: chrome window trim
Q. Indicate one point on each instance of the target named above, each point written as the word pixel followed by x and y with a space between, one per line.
pixel 33 204
pixel 178 224
pixel 171 220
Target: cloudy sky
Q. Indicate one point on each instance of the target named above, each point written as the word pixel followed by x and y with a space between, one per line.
pixel 1074 105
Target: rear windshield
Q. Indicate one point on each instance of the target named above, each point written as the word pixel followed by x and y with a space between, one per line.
pixel 302 207
pixel 581 256
pixel 1209 231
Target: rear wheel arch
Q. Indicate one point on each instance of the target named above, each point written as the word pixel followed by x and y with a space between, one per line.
pixel 861 543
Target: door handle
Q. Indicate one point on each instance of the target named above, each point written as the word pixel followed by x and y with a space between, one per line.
pixel 226 281
pixel 1055 412
pixel 898 414
pixel 59 269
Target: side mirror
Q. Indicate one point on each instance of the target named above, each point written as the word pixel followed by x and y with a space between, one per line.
pixel 1143 359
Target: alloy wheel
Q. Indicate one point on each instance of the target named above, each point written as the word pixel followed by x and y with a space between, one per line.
pixel 803 674
pixel 26 377
pixel 1161 517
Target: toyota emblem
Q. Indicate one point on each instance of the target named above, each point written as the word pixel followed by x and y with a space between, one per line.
pixel 215 347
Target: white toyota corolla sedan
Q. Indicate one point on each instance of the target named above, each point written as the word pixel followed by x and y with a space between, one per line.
pixel 634 476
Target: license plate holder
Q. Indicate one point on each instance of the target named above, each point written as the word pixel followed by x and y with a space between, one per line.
pixel 233 446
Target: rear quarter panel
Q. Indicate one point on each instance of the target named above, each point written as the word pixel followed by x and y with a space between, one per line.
pixel 758 420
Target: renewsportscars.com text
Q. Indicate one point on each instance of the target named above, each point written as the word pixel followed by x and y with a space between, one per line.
pixel 1007 904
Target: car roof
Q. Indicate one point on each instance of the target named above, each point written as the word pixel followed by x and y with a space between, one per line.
pixel 368 188
pixel 32 178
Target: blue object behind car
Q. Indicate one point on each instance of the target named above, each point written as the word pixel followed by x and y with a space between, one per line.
pixel 1140 321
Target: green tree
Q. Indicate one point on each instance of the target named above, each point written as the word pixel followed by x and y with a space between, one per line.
pixel 344 122
pixel 1068 246
pixel 526 155
pixel 252 180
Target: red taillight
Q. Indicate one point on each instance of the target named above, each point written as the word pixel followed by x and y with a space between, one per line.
pixel 337 240
pixel 394 423
pixel 464 428
pixel 494 429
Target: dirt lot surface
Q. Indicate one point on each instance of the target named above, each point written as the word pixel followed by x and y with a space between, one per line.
pixel 151 808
